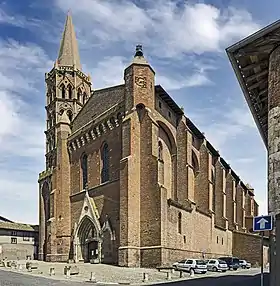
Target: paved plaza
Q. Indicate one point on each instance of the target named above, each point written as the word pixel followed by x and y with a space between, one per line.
pixel 108 275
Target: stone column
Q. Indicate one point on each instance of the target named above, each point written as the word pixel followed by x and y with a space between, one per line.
pixel 274 154
pixel 274 133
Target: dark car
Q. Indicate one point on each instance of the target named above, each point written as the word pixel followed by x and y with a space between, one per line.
pixel 232 262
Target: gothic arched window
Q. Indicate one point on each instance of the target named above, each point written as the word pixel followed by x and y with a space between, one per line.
pixel 70 91
pixel 79 94
pixel 46 199
pixel 180 222
pixel 63 91
pixel 70 115
pixel 214 190
pixel 84 167
pixel 84 98
pixel 105 163
pixel 160 150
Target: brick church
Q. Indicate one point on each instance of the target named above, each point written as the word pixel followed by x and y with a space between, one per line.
pixel 129 179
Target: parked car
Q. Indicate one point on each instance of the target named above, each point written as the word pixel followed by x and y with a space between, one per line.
pixel 244 264
pixel 197 265
pixel 217 265
pixel 232 262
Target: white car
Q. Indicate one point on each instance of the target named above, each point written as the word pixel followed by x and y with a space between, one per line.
pixel 244 264
pixel 197 265
pixel 217 265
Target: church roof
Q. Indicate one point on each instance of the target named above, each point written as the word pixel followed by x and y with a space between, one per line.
pixel 100 102
pixel 69 51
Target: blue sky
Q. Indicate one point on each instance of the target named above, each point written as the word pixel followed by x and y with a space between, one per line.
pixel 185 43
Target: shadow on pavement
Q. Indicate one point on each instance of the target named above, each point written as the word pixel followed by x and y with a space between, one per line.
pixel 229 280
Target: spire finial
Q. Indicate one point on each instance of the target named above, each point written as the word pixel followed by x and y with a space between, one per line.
pixel 68 52
pixel 139 51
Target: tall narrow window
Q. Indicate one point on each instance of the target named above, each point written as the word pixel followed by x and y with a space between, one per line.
pixel 46 199
pixel 79 95
pixel 105 163
pixel 214 190
pixel 70 115
pixel 70 91
pixel 160 155
pixel 63 91
pixel 84 165
pixel 84 98
pixel 180 222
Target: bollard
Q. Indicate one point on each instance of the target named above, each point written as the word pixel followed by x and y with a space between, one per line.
pixel 181 274
pixel 19 267
pixel 145 277
pixel 52 272
pixel 92 277
pixel 168 276
pixel 67 271
pixel 192 273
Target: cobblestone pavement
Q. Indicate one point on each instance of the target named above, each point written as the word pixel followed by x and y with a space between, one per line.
pixel 113 274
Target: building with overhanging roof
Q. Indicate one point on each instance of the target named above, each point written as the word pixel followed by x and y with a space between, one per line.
pixel 256 62
pixel 18 240
pixel 129 179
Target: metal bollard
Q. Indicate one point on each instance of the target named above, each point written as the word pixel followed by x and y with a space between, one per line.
pixel 192 273
pixel 181 274
pixel 67 268
pixel 168 276
pixel 92 277
pixel 145 277
pixel 52 272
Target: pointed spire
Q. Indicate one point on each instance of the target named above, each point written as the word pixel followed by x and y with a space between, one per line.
pixel 69 52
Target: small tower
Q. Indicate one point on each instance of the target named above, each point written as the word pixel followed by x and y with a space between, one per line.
pixel 139 99
pixel 139 81
pixel 68 89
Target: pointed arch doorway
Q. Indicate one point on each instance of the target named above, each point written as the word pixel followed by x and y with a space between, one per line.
pixel 88 242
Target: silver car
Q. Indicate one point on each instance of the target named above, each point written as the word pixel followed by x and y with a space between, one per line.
pixel 217 265
pixel 244 264
pixel 196 265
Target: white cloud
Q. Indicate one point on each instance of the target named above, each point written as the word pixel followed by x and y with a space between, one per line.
pixel 109 71
pixel 18 20
pixel 22 126
pixel 167 29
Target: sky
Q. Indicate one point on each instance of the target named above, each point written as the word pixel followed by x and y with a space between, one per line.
pixel 185 43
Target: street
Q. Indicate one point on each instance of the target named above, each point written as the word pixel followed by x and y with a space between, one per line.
pixel 228 280
pixel 242 279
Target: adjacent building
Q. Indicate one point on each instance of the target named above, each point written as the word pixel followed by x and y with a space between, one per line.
pixel 17 240
pixel 129 178
pixel 256 62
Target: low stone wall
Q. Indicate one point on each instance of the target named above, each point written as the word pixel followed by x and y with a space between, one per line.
pixel 16 251
pixel 248 246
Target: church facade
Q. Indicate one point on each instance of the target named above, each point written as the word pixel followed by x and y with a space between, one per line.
pixel 129 179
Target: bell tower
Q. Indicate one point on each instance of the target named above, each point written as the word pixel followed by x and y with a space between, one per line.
pixel 67 90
